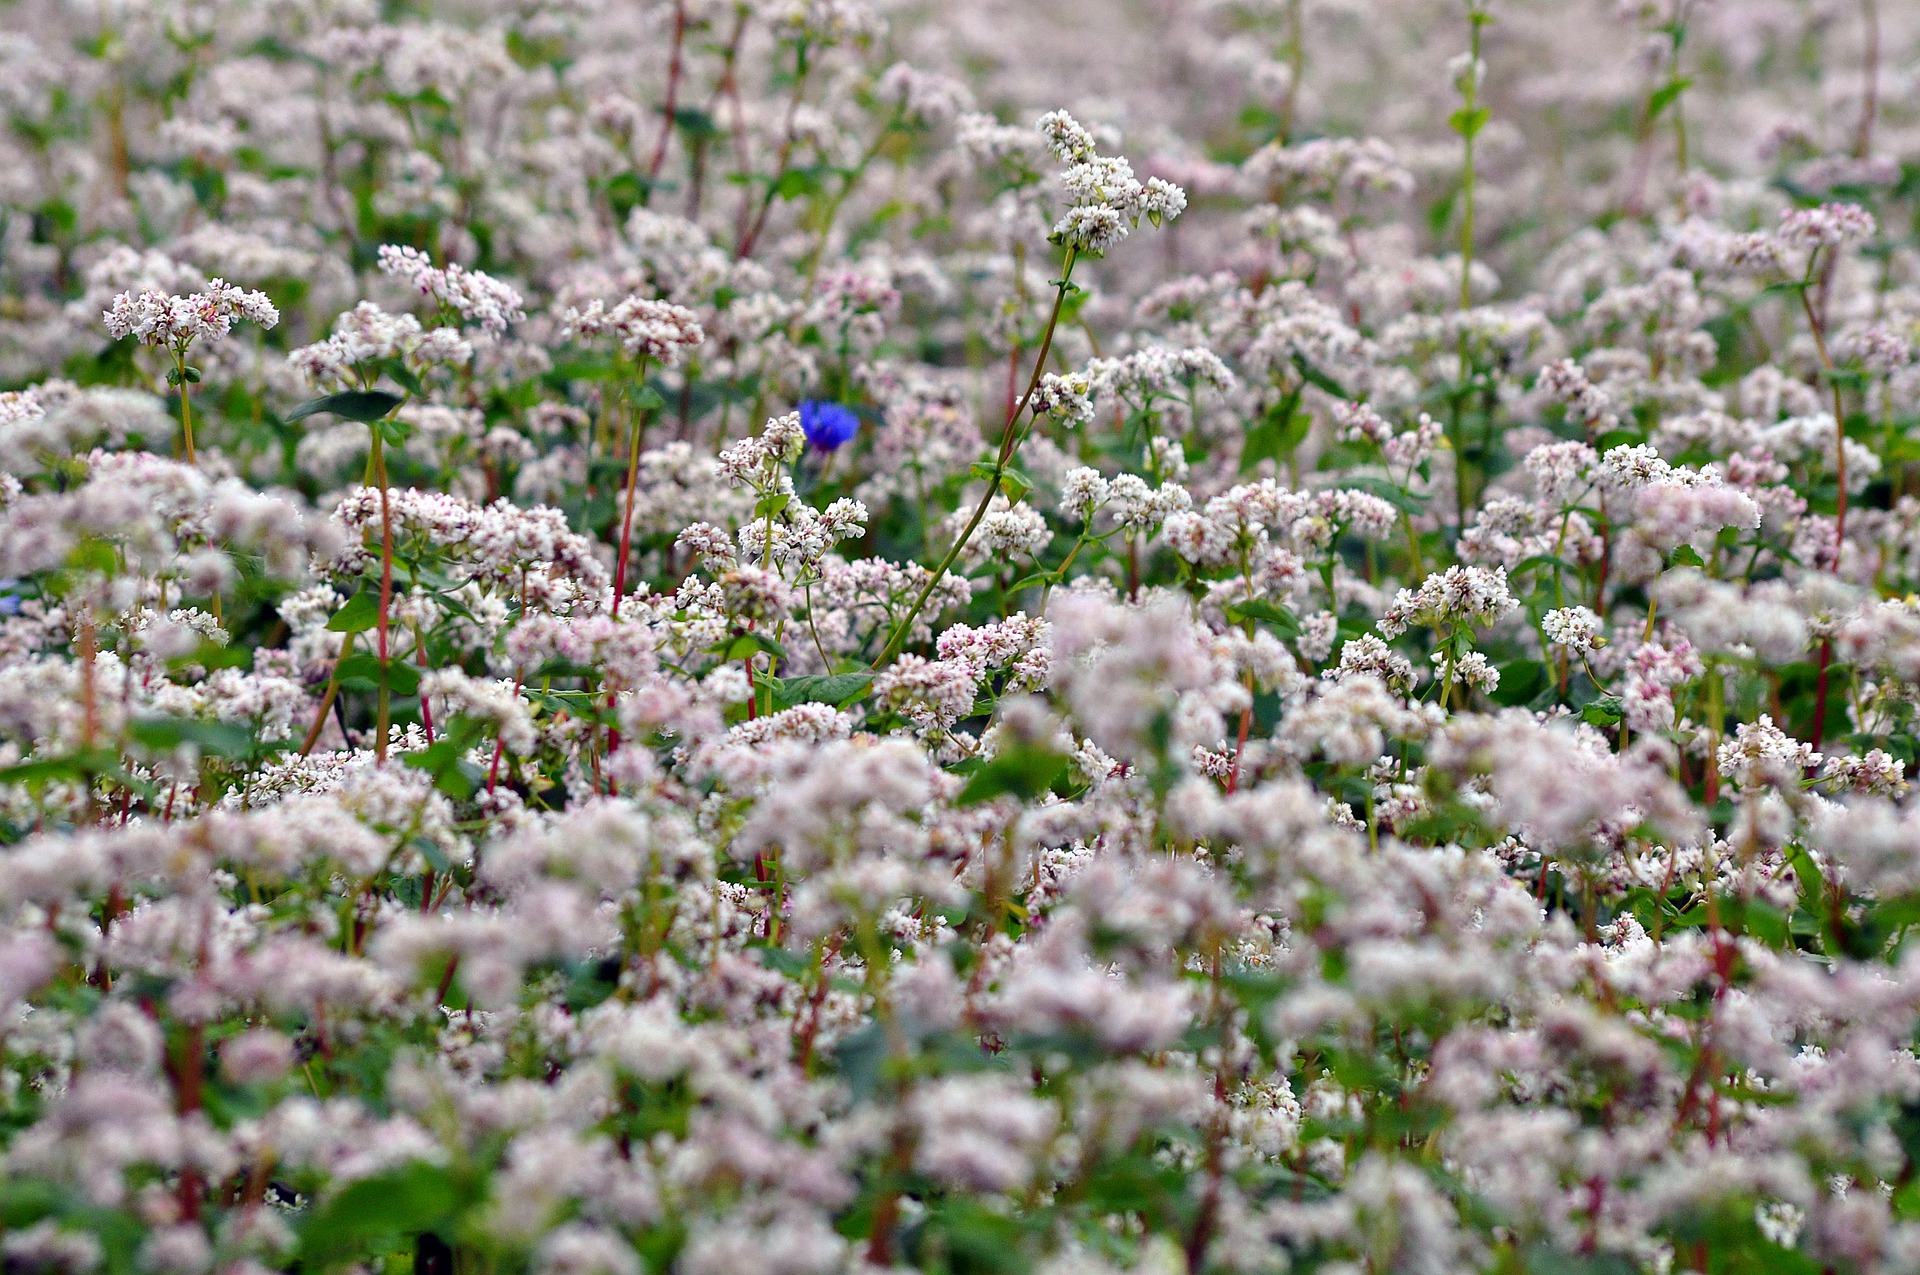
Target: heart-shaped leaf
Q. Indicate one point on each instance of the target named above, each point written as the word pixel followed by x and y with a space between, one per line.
pixel 351 405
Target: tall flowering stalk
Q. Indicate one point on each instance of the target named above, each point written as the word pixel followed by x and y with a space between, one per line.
pixel 1107 203
pixel 1468 121
pixel 647 332
pixel 175 323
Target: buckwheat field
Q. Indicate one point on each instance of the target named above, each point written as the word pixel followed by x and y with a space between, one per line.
pixel 785 637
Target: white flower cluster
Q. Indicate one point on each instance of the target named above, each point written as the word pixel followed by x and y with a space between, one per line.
pixel 474 295
pixel 1107 201
pixel 658 331
pixel 176 322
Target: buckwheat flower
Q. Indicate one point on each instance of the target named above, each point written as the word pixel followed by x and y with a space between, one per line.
pixel 1828 226
pixel 1102 179
pixel 1162 201
pixel 256 1057
pixel 1566 383
pixel 979 1132
pixel 118 1037
pixel 1691 507
pixel 1472 669
pixel 659 331
pixel 1877 773
pixel 157 319
pixel 794 1240
pixel 784 436
pixel 985 140
pixel 1654 670
pixel 1130 498
pixel 474 295
pixel 1760 754
pixel 1082 492
pixel 827 425
pixel 1558 469
pixel 575 1248
pixel 1264 657
pixel 1066 138
pixel 1475 596
pixel 1063 397
pixel 1575 628
pixel 1317 635
pixel 495 702
pixel 923 96
pixel 1091 228
pixel 1348 722
pixel 1354 422
pixel 1020 644
pixel 1626 467
pixel 806 723
pixel 177 1250
pixel 1368 656
pixel 1159 370
pixel 1009 529
pixel 20 407
pixel 1198 538
pixel 45 1247
pixel 825 22
pixel 1413 448
pixel 932 694
pixel 1756 253
pixel 1881 347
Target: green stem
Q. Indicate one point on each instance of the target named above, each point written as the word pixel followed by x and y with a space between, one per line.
pixel 1009 444
pixel 384 710
pixel 633 478
pixel 186 406
pixel 1470 89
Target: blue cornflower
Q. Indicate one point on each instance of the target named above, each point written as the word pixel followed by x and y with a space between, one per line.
pixel 828 426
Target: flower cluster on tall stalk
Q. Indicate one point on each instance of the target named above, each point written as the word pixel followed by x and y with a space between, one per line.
pixel 742 651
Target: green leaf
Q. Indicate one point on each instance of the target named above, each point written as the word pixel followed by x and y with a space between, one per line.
pixel 403 375
pixel 1014 485
pixel 796 182
pixel 1315 377
pixel 444 759
pixel 647 399
pixel 364 671
pixel 360 613
pixel 1666 95
pixel 1543 1259
pixel 1391 492
pixel 1686 556
pixel 1281 429
pixel 1540 562
pixel 861 1058
pixel 80 766
pixel 1023 770
pixel 164 734
pixel 1269 611
pixel 352 405
pixel 414 1198
pixel 1469 123
pixel 696 123
pixel 1520 681
pixel 837 689
pixel 741 645
pixel 1605 711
